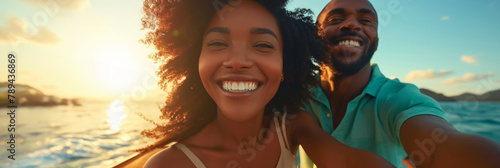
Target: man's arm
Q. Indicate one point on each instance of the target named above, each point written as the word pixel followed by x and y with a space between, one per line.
pixel 326 151
pixel 431 141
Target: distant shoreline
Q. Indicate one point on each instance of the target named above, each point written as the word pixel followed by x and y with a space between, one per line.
pixel 29 96
pixel 491 96
pixel 459 101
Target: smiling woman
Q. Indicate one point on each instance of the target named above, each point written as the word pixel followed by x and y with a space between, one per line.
pixel 115 68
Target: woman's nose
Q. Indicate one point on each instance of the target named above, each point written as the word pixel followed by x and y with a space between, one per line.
pixel 238 59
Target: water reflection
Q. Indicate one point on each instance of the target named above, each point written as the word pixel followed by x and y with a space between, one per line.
pixel 116 113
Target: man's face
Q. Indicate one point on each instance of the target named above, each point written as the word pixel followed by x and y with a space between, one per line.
pixel 350 28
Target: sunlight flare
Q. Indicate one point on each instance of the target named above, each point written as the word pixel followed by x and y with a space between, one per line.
pixel 116 68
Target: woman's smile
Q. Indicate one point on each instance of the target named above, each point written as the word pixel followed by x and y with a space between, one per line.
pixel 239 86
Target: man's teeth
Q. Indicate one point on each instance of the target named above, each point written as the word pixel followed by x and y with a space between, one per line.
pixel 239 86
pixel 349 43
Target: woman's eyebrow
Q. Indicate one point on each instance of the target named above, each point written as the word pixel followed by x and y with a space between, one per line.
pixel 223 30
pixel 263 31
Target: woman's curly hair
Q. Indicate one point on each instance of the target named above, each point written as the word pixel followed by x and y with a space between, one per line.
pixel 176 27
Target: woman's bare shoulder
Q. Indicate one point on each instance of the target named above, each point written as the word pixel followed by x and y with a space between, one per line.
pixel 298 123
pixel 301 119
pixel 169 157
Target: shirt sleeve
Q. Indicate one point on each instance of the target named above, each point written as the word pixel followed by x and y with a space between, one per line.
pixel 408 102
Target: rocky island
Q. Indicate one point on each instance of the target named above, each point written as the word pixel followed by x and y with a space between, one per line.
pixel 30 96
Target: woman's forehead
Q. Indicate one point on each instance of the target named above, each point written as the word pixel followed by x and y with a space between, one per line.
pixel 246 15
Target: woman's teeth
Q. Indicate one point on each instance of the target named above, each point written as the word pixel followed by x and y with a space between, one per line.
pixel 233 86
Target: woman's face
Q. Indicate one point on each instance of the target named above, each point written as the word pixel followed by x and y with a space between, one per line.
pixel 241 60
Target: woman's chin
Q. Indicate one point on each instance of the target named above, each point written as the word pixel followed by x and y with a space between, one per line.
pixel 239 114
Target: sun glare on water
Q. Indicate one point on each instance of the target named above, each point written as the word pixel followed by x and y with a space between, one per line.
pixel 116 113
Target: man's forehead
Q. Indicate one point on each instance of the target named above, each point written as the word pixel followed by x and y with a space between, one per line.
pixel 347 4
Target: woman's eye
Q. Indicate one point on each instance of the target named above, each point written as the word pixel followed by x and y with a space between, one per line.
pixel 217 44
pixel 264 45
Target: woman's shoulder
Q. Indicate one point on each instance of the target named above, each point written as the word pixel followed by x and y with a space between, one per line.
pixel 168 157
pixel 297 123
pixel 300 118
pixel 303 123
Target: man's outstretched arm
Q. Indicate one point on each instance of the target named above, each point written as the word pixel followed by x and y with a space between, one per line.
pixel 431 141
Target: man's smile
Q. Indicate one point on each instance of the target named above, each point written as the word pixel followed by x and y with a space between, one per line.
pixel 349 43
pixel 348 40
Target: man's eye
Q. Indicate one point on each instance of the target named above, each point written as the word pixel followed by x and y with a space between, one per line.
pixel 334 19
pixel 365 21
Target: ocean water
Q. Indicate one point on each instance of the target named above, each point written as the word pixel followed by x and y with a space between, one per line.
pixel 97 134
pixel 100 134
pixel 482 118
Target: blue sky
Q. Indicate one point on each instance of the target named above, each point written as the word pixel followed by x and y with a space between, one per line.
pixel 69 47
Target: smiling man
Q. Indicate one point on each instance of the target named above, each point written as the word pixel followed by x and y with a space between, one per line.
pixel 362 108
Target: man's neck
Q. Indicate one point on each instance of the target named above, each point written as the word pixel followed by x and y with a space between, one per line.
pixel 340 90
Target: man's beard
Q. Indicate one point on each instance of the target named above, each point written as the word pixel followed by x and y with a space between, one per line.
pixel 343 69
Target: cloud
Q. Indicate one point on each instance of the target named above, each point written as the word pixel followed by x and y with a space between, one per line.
pixel 493 4
pixel 468 77
pixel 17 30
pixel 59 4
pixel 428 74
pixel 468 59
pixel 445 18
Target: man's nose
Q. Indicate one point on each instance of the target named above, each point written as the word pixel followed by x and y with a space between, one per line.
pixel 350 25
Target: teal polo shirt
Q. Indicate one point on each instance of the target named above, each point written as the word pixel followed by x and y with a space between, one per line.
pixel 374 118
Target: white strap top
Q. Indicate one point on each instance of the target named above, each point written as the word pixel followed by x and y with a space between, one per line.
pixel 286 160
pixel 196 161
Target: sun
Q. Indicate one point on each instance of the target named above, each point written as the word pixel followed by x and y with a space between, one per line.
pixel 115 68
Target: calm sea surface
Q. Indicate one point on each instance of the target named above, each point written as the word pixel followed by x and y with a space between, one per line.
pixel 100 134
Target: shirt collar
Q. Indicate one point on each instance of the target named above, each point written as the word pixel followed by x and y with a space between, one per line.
pixel 376 82
pixel 320 96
